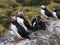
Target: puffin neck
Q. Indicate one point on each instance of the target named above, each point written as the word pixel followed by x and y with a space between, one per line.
pixel 55 10
pixel 44 8
pixel 21 17
pixel 14 22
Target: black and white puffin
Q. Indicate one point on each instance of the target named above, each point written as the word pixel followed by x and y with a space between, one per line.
pixel 45 12
pixel 56 13
pixel 22 21
pixel 13 27
pixel 18 29
pixel 37 24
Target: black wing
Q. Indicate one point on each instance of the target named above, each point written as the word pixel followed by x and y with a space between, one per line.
pixel 48 13
pixel 27 24
pixel 58 15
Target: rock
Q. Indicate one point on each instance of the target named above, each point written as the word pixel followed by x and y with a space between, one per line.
pixel 54 27
pixel 38 38
pixel 41 37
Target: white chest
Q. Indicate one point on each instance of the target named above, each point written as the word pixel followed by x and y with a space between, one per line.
pixel 34 24
pixel 20 21
pixel 54 14
pixel 43 13
pixel 13 27
pixel 14 30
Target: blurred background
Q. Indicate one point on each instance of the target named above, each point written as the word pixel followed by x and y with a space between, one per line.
pixel 31 9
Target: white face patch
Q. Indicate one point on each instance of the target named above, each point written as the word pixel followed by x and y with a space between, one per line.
pixel 43 6
pixel 54 14
pixel 20 12
pixel 14 17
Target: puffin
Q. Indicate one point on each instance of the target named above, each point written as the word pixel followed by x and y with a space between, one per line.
pixel 37 24
pixel 45 13
pixel 56 13
pixel 13 28
pixel 18 29
pixel 22 21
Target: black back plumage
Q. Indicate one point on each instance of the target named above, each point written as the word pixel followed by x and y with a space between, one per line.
pixel 57 12
pixel 58 15
pixel 48 13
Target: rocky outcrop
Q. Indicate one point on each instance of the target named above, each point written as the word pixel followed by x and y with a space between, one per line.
pixel 54 27
pixel 42 37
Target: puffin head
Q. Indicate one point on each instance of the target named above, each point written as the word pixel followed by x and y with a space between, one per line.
pixel 13 18
pixel 20 13
pixel 55 9
pixel 38 19
pixel 43 6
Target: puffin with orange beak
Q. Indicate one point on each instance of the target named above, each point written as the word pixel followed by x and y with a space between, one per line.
pixel 56 13
pixel 22 21
pixel 18 29
pixel 45 13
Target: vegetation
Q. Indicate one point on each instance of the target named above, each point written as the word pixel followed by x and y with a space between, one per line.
pixel 34 2
pixel 31 9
